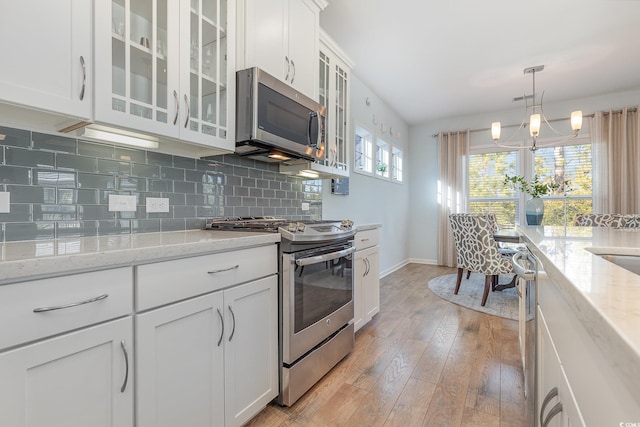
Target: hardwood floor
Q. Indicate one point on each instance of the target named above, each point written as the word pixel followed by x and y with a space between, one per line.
pixel 421 361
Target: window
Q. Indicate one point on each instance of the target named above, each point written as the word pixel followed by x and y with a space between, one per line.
pixel 396 164
pixel 557 163
pixel 486 192
pixel 382 158
pixel 363 151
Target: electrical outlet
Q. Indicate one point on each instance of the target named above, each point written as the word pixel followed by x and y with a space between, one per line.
pixel 122 203
pixel 157 204
pixel 305 206
pixel 5 200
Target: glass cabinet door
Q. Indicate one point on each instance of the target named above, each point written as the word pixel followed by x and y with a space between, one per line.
pixel 204 70
pixel 339 156
pixel 141 68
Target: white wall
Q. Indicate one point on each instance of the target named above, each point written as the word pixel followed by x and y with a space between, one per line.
pixel 372 200
pixel 423 162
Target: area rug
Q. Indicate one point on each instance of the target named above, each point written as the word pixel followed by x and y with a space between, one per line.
pixel 500 303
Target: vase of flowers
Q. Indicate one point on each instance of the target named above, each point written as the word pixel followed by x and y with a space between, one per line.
pixel 534 207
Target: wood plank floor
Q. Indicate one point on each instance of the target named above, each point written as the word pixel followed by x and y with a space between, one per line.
pixel 421 361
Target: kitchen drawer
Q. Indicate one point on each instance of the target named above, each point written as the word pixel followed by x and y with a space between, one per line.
pixel 63 303
pixel 366 239
pixel 168 281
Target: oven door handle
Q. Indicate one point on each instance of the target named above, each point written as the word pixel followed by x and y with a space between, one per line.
pixel 325 257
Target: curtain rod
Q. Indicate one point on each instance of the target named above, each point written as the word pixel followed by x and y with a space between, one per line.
pixel 631 109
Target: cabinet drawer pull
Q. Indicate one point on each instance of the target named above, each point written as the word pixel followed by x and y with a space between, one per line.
pixel 293 76
pixel 222 323
pixel 223 269
pixel 73 304
pixel 550 395
pixel 175 97
pixel 84 77
pixel 186 103
pixel 233 328
pixel 126 364
pixel 552 413
pixel 364 240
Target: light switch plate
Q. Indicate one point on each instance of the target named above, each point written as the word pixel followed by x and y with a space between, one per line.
pixel 122 203
pixel 5 200
pixel 157 204
pixel 305 206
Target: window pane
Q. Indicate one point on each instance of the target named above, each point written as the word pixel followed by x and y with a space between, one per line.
pixel 363 159
pixel 382 158
pixel 487 171
pixel 396 164
pixel 505 210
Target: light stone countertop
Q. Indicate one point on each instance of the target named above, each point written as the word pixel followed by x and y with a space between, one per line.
pixel 39 258
pixel 604 296
pixel 365 227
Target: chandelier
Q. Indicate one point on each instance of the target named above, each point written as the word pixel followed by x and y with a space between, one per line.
pixel 536 118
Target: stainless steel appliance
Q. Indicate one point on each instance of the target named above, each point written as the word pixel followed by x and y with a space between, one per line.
pixel 274 122
pixel 526 265
pixel 316 296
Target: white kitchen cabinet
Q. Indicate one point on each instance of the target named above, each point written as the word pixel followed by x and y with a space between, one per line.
pixel 281 37
pixel 557 406
pixel 334 89
pixel 210 360
pixel 366 266
pixel 46 54
pixel 568 359
pixel 167 68
pixel 83 378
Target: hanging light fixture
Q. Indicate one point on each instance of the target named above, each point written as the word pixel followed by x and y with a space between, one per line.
pixel 535 115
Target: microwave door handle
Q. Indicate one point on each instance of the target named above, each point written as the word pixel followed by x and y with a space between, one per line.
pixel 312 115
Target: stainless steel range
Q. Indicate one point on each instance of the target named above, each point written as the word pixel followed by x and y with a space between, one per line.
pixel 316 296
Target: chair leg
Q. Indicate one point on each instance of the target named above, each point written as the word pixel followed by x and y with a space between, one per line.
pixel 487 283
pixel 460 270
pixel 468 274
pixel 494 282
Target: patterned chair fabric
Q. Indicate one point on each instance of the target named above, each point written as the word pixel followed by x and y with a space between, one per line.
pixel 477 250
pixel 608 220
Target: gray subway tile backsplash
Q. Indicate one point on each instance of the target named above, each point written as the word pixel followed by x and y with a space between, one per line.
pixel 60 188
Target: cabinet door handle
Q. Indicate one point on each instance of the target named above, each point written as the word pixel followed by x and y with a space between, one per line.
pixel 186 103
pixel 233 328
pixel 73 304
pixel 126 364
pixel 220 270
pixel 550 395
pixel 368 266
pixel 286 58
pixel 175 97
pixel 552 413
pixel 84 77
pixel 293 76
pixel 222 322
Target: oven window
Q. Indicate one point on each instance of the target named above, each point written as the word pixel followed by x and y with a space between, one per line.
pixel 320 289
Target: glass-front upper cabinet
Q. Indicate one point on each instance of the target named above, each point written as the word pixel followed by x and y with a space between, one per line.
pixel 334 95
pixel 164 67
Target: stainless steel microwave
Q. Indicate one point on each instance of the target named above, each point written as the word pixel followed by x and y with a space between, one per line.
pixel 274 122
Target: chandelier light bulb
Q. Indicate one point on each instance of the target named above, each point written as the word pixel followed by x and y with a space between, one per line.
pixel 534 125
pixel 576 121
pixel 495 131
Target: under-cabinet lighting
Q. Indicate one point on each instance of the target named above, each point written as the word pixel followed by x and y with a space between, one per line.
pixel 143 141
pixel 308 174
pixel 278 156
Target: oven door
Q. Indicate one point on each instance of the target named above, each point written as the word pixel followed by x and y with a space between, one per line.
pixel 317 297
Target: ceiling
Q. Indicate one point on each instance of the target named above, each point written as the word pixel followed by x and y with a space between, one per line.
pixel 434 59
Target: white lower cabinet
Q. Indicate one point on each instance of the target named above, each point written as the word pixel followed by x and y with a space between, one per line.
pixel 208 361
pixel 79 379
pixel 366 270
pixel 576 378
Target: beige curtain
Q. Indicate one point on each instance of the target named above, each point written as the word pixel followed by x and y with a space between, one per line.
pixel 616 161
pixel 453 150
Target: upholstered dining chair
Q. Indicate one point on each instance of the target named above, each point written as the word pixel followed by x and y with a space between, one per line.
pixel 477 251
pixel 607 220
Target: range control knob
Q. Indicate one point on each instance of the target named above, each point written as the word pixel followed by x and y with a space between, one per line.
pixel 346 224
pixel 301 227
